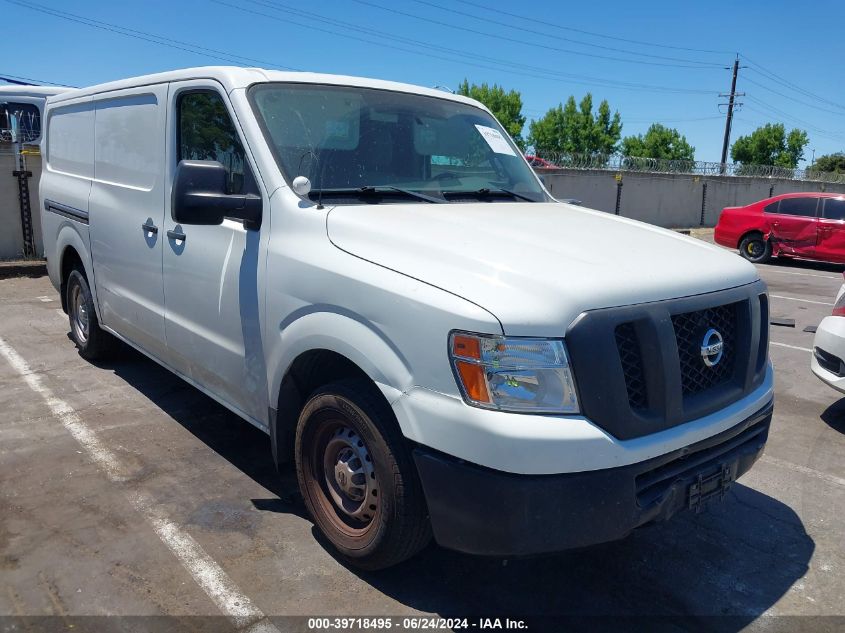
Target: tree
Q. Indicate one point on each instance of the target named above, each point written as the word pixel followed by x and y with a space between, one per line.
pixel 771 145
pixel 576 129
pixel 830 162
pixel 658 142
pixel 505 106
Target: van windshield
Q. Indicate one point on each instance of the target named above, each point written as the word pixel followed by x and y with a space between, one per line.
pixel 357 144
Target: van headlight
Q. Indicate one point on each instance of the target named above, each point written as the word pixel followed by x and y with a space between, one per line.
pixel 521 375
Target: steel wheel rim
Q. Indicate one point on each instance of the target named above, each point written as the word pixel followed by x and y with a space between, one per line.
pixel 79 318
pixel 755 248
pixel 347 477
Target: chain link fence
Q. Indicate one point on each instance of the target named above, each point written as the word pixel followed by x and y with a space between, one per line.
pixel 617 162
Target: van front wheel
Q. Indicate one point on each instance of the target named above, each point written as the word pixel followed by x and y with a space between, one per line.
pixel 92 342
pixel 357 477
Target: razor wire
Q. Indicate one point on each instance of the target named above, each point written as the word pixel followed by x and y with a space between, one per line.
pixel 618 162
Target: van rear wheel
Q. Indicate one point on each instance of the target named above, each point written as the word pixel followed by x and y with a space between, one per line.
pixel 93 343
pixel 357 477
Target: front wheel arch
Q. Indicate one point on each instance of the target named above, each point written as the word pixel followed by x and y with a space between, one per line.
pixel 309 372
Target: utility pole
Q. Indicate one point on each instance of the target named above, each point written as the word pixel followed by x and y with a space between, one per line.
pixel 731 103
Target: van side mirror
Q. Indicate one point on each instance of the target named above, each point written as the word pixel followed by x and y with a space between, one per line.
pixel 199 196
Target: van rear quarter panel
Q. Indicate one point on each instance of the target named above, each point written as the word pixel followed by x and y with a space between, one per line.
pixel 66 180
pixel 127 192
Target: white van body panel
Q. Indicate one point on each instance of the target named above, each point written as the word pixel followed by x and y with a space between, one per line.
pixel 395 328
pixel 127 191
pixel 604 254
pixel 212 288
pixel 66 181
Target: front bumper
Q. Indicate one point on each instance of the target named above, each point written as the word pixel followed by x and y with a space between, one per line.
pixel 829 352
pixel 488 512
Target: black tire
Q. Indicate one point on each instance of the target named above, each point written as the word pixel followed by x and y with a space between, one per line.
pixel 341 423
pixel 92 342
pixel 755 248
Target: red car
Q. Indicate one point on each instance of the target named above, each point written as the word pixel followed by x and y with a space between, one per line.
pixel 806 225
pixel 539 163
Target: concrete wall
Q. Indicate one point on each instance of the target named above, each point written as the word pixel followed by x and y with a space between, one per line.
pixel 670 200
pixel 11 234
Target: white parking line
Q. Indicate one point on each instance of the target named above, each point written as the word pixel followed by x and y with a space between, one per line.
pixel 812 472
pixel 803 349
pixel 205 571
pixel 821 303
pixel 789 272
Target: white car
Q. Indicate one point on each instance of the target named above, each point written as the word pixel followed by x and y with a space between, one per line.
pixel 829 346
pixel 371 273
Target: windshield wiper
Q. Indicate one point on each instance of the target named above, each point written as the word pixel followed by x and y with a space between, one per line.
pixel 484 192
pixel 371 190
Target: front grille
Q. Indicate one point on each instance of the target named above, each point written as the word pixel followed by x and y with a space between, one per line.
pixel 690 329
pixel 639 367
pixel 632 365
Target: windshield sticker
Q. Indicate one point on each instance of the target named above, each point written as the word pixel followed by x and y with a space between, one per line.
pixel 495 140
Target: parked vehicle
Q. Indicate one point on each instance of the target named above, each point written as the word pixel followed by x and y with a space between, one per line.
pixel 20 112
pixel 804 225
pixel 829 346
pixel 539 163
pixel 436 343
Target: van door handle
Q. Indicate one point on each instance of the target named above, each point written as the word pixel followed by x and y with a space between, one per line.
pixel 177 235
pixel 149 228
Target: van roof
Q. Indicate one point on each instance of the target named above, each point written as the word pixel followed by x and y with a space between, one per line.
pixel 17 90
pixel 234 77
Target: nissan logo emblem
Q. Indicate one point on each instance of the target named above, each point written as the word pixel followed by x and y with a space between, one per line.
pixel 712 348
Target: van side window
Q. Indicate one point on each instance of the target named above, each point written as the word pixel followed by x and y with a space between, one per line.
pixel 206 132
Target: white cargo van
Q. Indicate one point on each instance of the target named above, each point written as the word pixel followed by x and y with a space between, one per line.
pixel 371 273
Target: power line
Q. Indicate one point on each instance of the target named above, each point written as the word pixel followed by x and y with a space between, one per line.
pixel 528 42
pixel 786 96
pixel 593 33
pixel 519 69
pixel 680 120
pixel 534 32
pixel 774 112
pixel 145 36
pixel 29 81
pixel 768 118
pixel 788 84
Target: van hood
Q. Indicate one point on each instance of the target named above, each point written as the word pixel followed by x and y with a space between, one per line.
pixel 535 266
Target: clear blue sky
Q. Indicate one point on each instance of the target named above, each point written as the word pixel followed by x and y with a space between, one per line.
pixel 791 48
